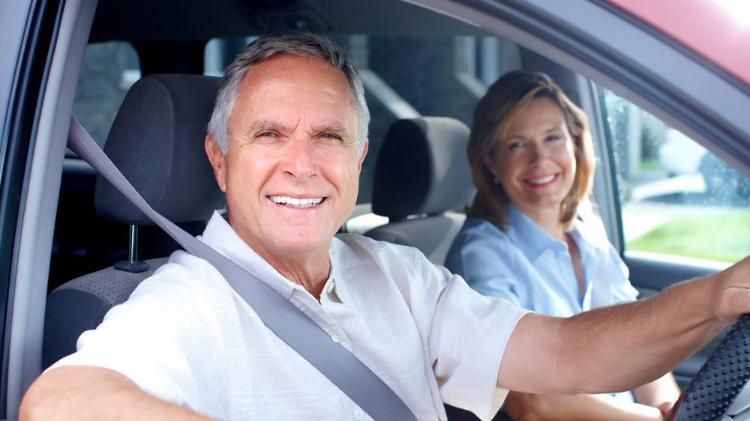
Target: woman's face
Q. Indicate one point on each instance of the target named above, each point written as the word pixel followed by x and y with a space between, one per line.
pixel 535 162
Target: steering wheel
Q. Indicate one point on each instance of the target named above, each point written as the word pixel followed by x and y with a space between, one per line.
pixel 721 379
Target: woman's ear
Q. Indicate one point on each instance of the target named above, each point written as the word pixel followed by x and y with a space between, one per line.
pixel 489 164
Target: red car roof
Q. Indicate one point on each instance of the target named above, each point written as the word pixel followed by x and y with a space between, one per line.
pixel 718 30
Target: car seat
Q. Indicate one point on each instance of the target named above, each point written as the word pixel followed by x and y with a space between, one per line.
pixel 422 178
pixel 156 141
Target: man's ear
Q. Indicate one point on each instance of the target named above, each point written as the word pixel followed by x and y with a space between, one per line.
pixel 363 154
pixel 218 161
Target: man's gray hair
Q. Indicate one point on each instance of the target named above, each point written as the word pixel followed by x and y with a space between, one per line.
pixel 262 49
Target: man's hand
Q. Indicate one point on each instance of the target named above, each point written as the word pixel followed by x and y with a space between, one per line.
pixel 731 297
pixel 671 415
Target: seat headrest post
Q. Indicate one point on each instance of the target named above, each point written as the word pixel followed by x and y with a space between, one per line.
pixel 132 265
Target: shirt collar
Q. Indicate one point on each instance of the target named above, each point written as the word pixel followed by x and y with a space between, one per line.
pixel 530 238
pixel 220 235
pixel 588 230
pixel 333 288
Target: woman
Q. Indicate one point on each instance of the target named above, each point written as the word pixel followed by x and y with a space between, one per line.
pixel 531 236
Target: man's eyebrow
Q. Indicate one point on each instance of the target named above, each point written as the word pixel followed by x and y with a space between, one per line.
pixel 329 128
pixel 262 125
pixel 332 127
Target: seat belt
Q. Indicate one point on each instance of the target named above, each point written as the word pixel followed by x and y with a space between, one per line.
pixel 282 317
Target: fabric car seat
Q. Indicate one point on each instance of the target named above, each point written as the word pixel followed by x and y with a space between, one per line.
pixel 156 141
pixel 422 177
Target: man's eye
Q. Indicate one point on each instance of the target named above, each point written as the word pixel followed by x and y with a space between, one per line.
pixel 330 137
pixel 268 136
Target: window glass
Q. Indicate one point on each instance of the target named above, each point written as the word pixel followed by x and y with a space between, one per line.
pixel 107 72
pixel 407 76
pixel 676 197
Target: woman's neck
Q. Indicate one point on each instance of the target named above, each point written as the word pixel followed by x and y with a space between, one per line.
pixel 549 220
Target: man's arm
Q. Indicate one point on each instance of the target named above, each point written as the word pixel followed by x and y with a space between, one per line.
pixel 95 393
pixel 622 347
pixel 524 406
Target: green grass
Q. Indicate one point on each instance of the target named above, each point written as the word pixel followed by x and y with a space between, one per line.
pixel 725 238
pixel 650 164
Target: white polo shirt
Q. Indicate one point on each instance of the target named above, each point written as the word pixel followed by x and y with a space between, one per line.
pixel 186 337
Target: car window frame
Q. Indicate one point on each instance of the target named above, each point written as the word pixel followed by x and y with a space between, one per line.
pixel 560 32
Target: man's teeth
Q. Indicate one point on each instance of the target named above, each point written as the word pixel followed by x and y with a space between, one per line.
pixel 542 180
pixel 300 203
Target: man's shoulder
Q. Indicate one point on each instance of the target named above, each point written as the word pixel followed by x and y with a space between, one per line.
pixel 182 277
pixel 365 263
pixel 357 246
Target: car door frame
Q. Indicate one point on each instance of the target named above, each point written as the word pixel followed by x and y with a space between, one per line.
pixel 45 73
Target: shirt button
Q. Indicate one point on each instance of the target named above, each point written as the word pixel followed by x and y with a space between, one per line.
pixel 358 414
pixel 335 338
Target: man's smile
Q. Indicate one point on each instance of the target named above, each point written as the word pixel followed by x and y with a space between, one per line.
pixel 297 202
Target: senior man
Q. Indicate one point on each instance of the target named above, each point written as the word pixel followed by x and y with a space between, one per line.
pixel 286 140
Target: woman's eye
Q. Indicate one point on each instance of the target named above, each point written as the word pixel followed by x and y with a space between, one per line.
pixel 514 145
pixel 553 137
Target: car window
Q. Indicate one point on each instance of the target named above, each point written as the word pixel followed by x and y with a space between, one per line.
pixel 407 76
pixel 676 198
pixel 107 72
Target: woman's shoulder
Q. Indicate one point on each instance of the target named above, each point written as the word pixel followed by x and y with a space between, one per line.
pixel 480 228
pixel 480 238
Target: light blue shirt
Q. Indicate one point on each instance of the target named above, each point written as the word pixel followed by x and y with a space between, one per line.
pixel 529 267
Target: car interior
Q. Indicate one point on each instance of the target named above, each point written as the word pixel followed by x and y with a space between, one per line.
pixel 145 90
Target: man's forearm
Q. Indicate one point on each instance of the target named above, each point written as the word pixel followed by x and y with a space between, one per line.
pixel 524 406
pixel 615 348
pixel 94 393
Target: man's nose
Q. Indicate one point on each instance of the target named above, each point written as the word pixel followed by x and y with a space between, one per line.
pixel 300 158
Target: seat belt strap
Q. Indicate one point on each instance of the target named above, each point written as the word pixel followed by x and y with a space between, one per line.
pixel 282 317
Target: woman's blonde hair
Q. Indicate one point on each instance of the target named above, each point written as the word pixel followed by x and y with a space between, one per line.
pixel 494 114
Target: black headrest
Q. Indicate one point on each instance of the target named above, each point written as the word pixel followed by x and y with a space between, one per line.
pixel 422 168
pixel 156 141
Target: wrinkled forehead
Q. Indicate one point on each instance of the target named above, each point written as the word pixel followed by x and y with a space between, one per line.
pixel 313 71
pixel 288 76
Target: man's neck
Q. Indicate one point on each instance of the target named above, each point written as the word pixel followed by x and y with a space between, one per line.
pixel 309 269
pixel 311 272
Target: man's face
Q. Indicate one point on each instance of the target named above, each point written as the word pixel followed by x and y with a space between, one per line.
pixel 291 171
